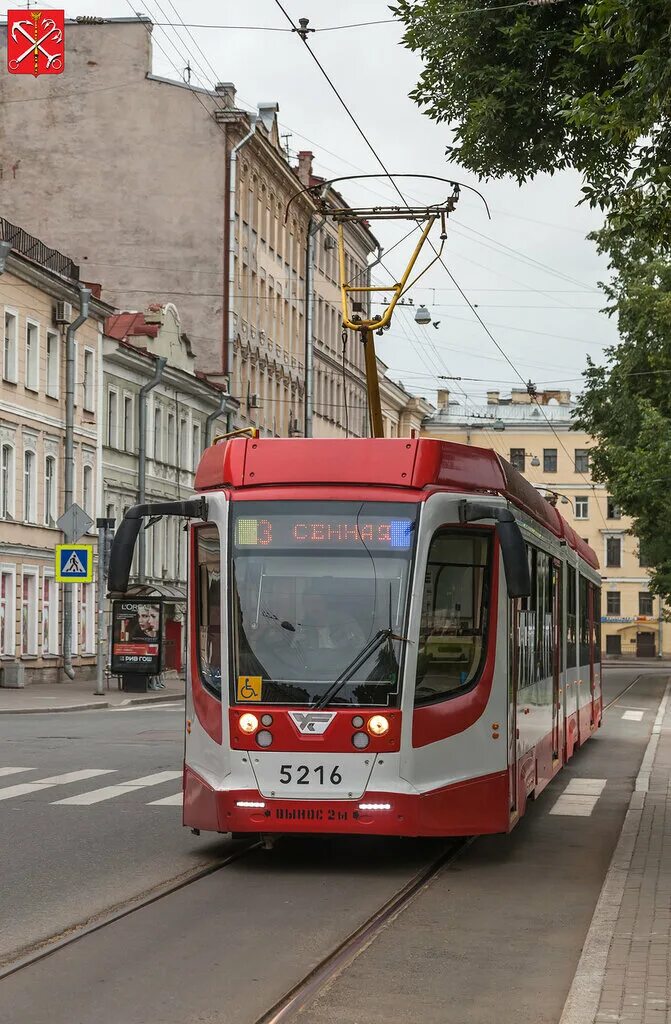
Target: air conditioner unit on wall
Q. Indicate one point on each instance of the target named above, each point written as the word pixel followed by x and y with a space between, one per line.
pixel 63 312
pixel 254 402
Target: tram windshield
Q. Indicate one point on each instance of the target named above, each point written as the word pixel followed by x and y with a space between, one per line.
pixel 311 584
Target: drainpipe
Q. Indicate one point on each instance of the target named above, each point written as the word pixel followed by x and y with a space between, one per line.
pixel 313 227
pixel 5 249
pixel 84 297
pixel 222 408
pixel 232 188
pixel 142 453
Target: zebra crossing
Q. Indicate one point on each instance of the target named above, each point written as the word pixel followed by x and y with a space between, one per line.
pixel 52 784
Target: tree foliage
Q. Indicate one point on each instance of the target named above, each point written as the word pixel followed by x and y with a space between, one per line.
pixel 586 86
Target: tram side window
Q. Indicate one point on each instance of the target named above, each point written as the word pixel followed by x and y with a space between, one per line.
pixel 583 599
pixel 535 623
pixel 208 606
pixel 571 624
pixel 455 611
pixel 596 623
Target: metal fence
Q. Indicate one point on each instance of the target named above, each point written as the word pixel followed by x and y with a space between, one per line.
pixel 37 251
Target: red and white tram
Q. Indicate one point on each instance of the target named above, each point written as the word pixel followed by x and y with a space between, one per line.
pixel 395 637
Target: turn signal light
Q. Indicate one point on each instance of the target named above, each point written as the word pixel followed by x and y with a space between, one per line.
pixel 378 725
pixel 248 723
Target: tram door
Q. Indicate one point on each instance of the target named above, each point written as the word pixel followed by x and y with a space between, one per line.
pixel 513 682
pixel 557 613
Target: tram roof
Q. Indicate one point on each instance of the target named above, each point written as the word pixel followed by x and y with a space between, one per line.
pixel 417 463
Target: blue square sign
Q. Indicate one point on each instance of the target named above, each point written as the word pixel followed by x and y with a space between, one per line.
pixel 74 563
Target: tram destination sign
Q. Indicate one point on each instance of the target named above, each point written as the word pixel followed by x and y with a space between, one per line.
pixel 341 532
pixel 136 636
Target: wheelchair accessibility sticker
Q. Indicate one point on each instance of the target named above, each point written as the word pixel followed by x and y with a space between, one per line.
pixel 249 687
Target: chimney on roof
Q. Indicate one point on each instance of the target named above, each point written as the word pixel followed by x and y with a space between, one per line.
pixel 304 169
pixel 564 397
pixel 520 397
pixel 443 399
pixel 227 92
pixel 492 398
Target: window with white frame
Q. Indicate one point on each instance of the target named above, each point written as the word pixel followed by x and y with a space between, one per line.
pixel 127 423
pixel 195 446
pixel 7 611
pixel 53 364
pixel 49 616
pixel 50 490
pixel 29 487
pixel 183 461
pixel 32 355
pixel 29 613
pixel 170 454
pixel 7 482
pixel 88 618
pixel 112 418
pixel 613 552
pixel 89 379
pixel 158 433
pixel 581 507
pixel 9 353
pixel 87 490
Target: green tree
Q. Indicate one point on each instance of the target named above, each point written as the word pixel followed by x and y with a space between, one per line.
pixel 539 88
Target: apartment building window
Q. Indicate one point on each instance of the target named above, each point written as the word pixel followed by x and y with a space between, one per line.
pixel 112 422
pixel 581 457
pixel 50 490
pixel 170 455
pixel 645 603
pixel 643 557
pixel 613 552
pixel 612 510
pixel 87 488
pixel 7 482
pixel 49 616
pixel 128 423
pixel 89 379
pixel 9 360
pixel 581 506
pixel 29 487
pixel 53 343
pixel 29 613
pixel 518 459
pixel 158 430
pixel 32 355
pixel 183 460
pixel 7 612
pixel 549 460
pixel 195 446
pixel 613 602
pixel 88 618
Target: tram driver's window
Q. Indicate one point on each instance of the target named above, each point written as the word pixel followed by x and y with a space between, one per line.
pixel 208 606
pixel 454 614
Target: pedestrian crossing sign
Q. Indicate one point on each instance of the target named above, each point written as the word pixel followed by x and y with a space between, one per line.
pixel 74 563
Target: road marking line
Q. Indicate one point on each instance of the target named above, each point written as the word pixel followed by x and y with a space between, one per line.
pixel 15 771
pixel 55 780
pixel 582 1002
pixel 576 806
pixel 176 800
pixel 96 796
pixel 633 716
pixel 586 787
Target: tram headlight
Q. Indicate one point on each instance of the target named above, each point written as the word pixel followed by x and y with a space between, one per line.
pixel 266 719
pixel 378 725
pixel 248 723
pixel 264 738
pixel 360 740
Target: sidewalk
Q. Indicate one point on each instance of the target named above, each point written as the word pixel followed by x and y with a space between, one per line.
pixel 624 973
pixel 78 695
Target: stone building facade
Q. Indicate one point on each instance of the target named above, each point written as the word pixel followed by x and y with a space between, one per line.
pixel 39 294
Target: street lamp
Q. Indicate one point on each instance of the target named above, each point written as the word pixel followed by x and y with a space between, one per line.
pixel 422 316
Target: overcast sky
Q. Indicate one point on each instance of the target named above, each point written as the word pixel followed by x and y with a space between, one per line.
pixel 546 318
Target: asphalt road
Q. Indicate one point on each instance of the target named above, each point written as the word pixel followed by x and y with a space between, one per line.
pixel 497 936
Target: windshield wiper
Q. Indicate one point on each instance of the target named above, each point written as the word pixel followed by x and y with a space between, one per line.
pixel 355 664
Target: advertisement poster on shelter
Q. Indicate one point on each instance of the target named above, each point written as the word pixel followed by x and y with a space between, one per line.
pixel 136 636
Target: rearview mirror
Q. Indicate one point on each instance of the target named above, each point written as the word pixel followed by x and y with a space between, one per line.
pixel 513 548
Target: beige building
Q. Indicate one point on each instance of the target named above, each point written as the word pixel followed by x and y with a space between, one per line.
pixel 38 295
pixel 541 444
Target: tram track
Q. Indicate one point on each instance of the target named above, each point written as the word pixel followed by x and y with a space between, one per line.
pixel 621 693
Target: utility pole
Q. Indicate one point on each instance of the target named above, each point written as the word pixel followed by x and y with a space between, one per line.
pixel 103 550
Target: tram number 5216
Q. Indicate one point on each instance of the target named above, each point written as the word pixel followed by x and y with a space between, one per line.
pixel 301 775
